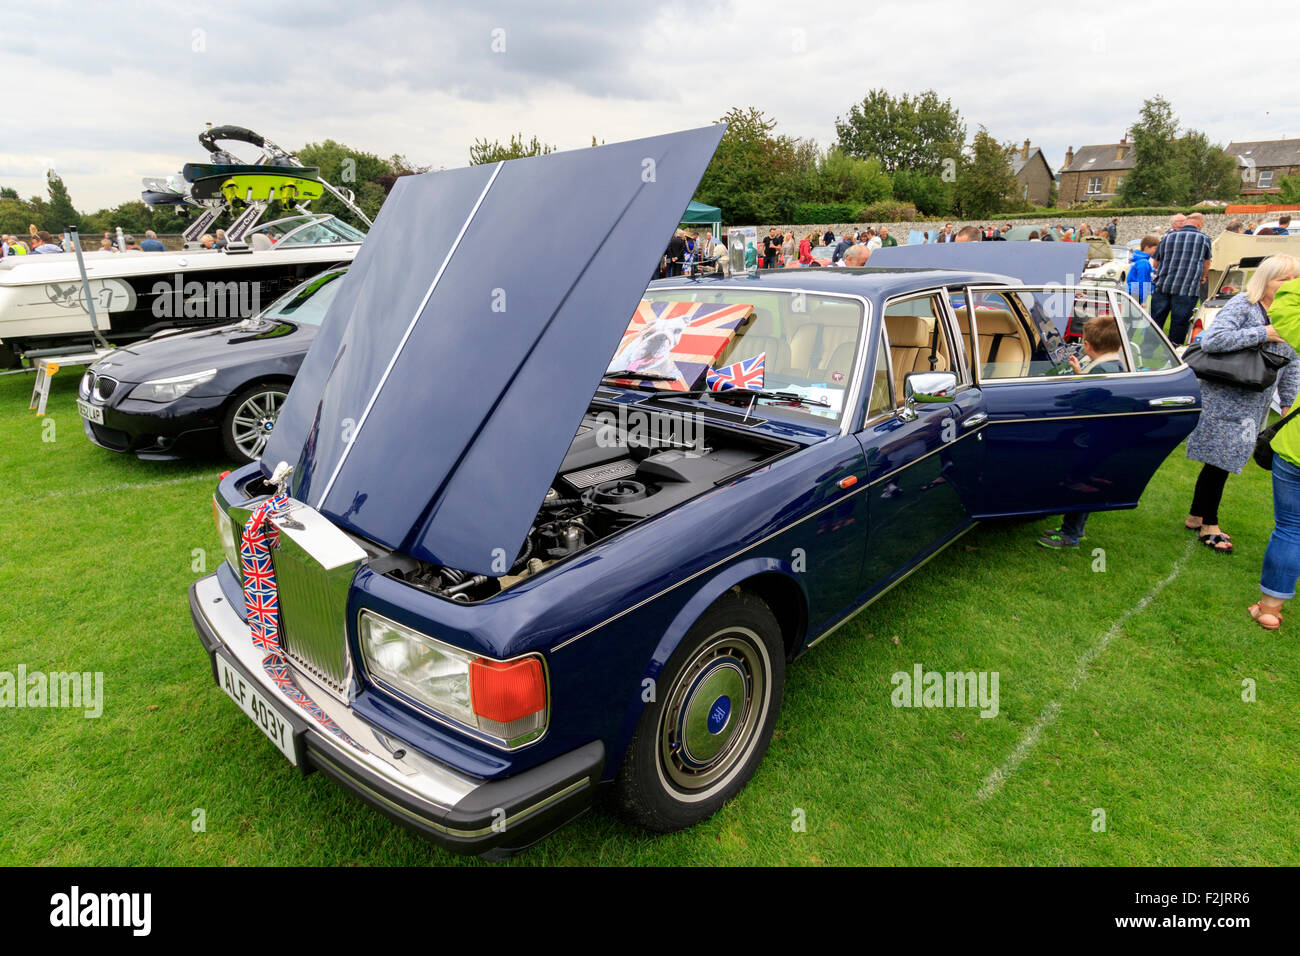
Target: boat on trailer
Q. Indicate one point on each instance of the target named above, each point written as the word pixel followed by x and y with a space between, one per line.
pixel 136 295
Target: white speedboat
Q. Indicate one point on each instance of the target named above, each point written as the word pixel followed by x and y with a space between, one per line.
pixel 135 295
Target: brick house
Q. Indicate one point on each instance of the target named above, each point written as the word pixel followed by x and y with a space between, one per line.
pixel 1033 174
pixel 1094 173
pixel 1263 164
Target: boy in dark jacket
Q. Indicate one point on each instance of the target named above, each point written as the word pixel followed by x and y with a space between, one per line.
pixel 1102 345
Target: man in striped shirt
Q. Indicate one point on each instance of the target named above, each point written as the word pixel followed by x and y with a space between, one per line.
pixel 1182 264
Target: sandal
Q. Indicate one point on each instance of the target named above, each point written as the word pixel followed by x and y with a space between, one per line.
pixel 1257 612
pixel 1198 527
pixel 1212 541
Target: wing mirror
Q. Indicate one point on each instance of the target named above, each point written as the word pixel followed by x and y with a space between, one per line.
pixel 927 388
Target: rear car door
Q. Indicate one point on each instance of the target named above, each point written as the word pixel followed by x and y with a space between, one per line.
pixel 1057 439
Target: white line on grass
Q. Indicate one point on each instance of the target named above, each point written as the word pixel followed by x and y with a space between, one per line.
pixel 994 781
pixel 130 486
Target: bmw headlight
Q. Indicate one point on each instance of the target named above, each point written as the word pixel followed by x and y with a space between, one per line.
pixel 170 389
pixel 504 700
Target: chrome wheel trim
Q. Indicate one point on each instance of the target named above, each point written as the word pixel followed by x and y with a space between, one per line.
pixel 700 748
pixel 254 420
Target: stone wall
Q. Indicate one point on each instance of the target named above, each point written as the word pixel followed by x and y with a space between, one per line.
pixel 1130 227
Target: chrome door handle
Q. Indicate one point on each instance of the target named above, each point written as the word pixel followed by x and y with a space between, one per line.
pixel 1171 400
pixel 979 418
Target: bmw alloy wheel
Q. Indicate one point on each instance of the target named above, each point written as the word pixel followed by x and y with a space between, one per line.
pixel 253 420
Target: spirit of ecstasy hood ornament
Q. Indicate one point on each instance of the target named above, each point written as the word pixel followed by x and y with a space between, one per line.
pixel 280 479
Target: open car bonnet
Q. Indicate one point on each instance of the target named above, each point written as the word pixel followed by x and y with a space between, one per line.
pixel 1033 263
pixel 452 369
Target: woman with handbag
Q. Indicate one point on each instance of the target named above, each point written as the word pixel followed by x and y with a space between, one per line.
pixel 1231 415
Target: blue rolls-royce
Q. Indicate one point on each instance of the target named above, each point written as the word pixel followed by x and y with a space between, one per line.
pixel 518 551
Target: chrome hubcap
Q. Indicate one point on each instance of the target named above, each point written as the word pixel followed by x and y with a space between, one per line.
pixel 714 710
pixel 254 421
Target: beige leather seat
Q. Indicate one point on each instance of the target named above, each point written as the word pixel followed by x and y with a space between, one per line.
pixel 1007 355
pixel 910 338
pixel 761 336
pixel 1003 352
pixel 820 340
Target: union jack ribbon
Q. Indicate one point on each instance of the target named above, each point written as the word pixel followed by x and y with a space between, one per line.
pixel 262 601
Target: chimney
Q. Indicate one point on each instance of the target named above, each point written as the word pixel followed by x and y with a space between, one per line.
pixel 1024 153
pixel 1069 157
pixel 1122 148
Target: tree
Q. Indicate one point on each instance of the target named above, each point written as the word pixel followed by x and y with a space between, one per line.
pixel 755 176
pixel 8 192
pixel 60 214
pixel 367 176
pixel 842 178
pixel 985 182
pixel 15 215
pixel 912 133
pixel 1208 171
pixel 1289 191
pixel 1158 177
pixel 930 194
pixel 484 152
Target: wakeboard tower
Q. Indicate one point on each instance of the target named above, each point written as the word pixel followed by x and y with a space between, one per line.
pixel 225 182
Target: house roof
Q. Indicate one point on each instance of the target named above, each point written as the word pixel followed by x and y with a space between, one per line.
pixel 1091 158
pixel 1270 152
pixel 1017 164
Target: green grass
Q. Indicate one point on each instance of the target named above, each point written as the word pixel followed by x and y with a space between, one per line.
pixel 98 551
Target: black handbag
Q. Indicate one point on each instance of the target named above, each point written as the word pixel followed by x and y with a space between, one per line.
pixel 1263 453
pixel 1250 368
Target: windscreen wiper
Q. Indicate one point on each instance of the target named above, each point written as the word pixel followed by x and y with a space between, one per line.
pixel 648 376
pixel 750 394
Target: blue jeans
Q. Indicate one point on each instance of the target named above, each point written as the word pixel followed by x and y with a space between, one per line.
pixel 1072 524
pixel 1282 556
pixel 1180 306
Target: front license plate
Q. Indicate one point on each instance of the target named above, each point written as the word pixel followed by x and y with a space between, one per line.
pixel 91 413
pixel 270 720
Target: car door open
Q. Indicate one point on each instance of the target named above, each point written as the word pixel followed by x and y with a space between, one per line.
pixel 1060 438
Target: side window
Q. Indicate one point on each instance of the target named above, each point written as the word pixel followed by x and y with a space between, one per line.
pixel 918 338
pixel 1042 329
pixel 882 397
pixel 999 333
pixel 1149 350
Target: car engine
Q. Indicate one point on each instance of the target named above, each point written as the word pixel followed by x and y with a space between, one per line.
pixel 623 467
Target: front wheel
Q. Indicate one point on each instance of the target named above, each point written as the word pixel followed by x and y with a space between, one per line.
pixel 250 419
pixel 701 739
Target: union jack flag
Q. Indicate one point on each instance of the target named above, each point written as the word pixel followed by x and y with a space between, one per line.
pixel 680 339
pixel 747 373
pixel 262 601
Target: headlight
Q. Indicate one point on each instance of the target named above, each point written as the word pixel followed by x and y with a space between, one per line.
pixel 170 389
pixel 226 532
pixel 83 390
pixel 504 700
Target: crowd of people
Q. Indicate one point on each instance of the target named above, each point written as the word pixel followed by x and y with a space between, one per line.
pixel 38 241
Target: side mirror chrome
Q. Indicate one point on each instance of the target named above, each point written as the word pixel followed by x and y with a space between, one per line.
pixel 925 388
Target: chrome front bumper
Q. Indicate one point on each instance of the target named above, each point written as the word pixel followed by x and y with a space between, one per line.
pixel 457 811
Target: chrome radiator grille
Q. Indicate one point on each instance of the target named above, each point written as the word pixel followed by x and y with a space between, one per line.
pixel 313 599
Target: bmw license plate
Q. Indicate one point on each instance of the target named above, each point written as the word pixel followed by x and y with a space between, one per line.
pixel 91 413
pixel 251 700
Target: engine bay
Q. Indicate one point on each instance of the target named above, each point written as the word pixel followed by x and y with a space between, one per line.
pixel 623 466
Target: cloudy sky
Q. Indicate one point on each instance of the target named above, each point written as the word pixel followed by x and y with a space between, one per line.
pixel 107 93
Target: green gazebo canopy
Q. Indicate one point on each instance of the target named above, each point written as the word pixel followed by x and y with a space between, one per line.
pixel 698 213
